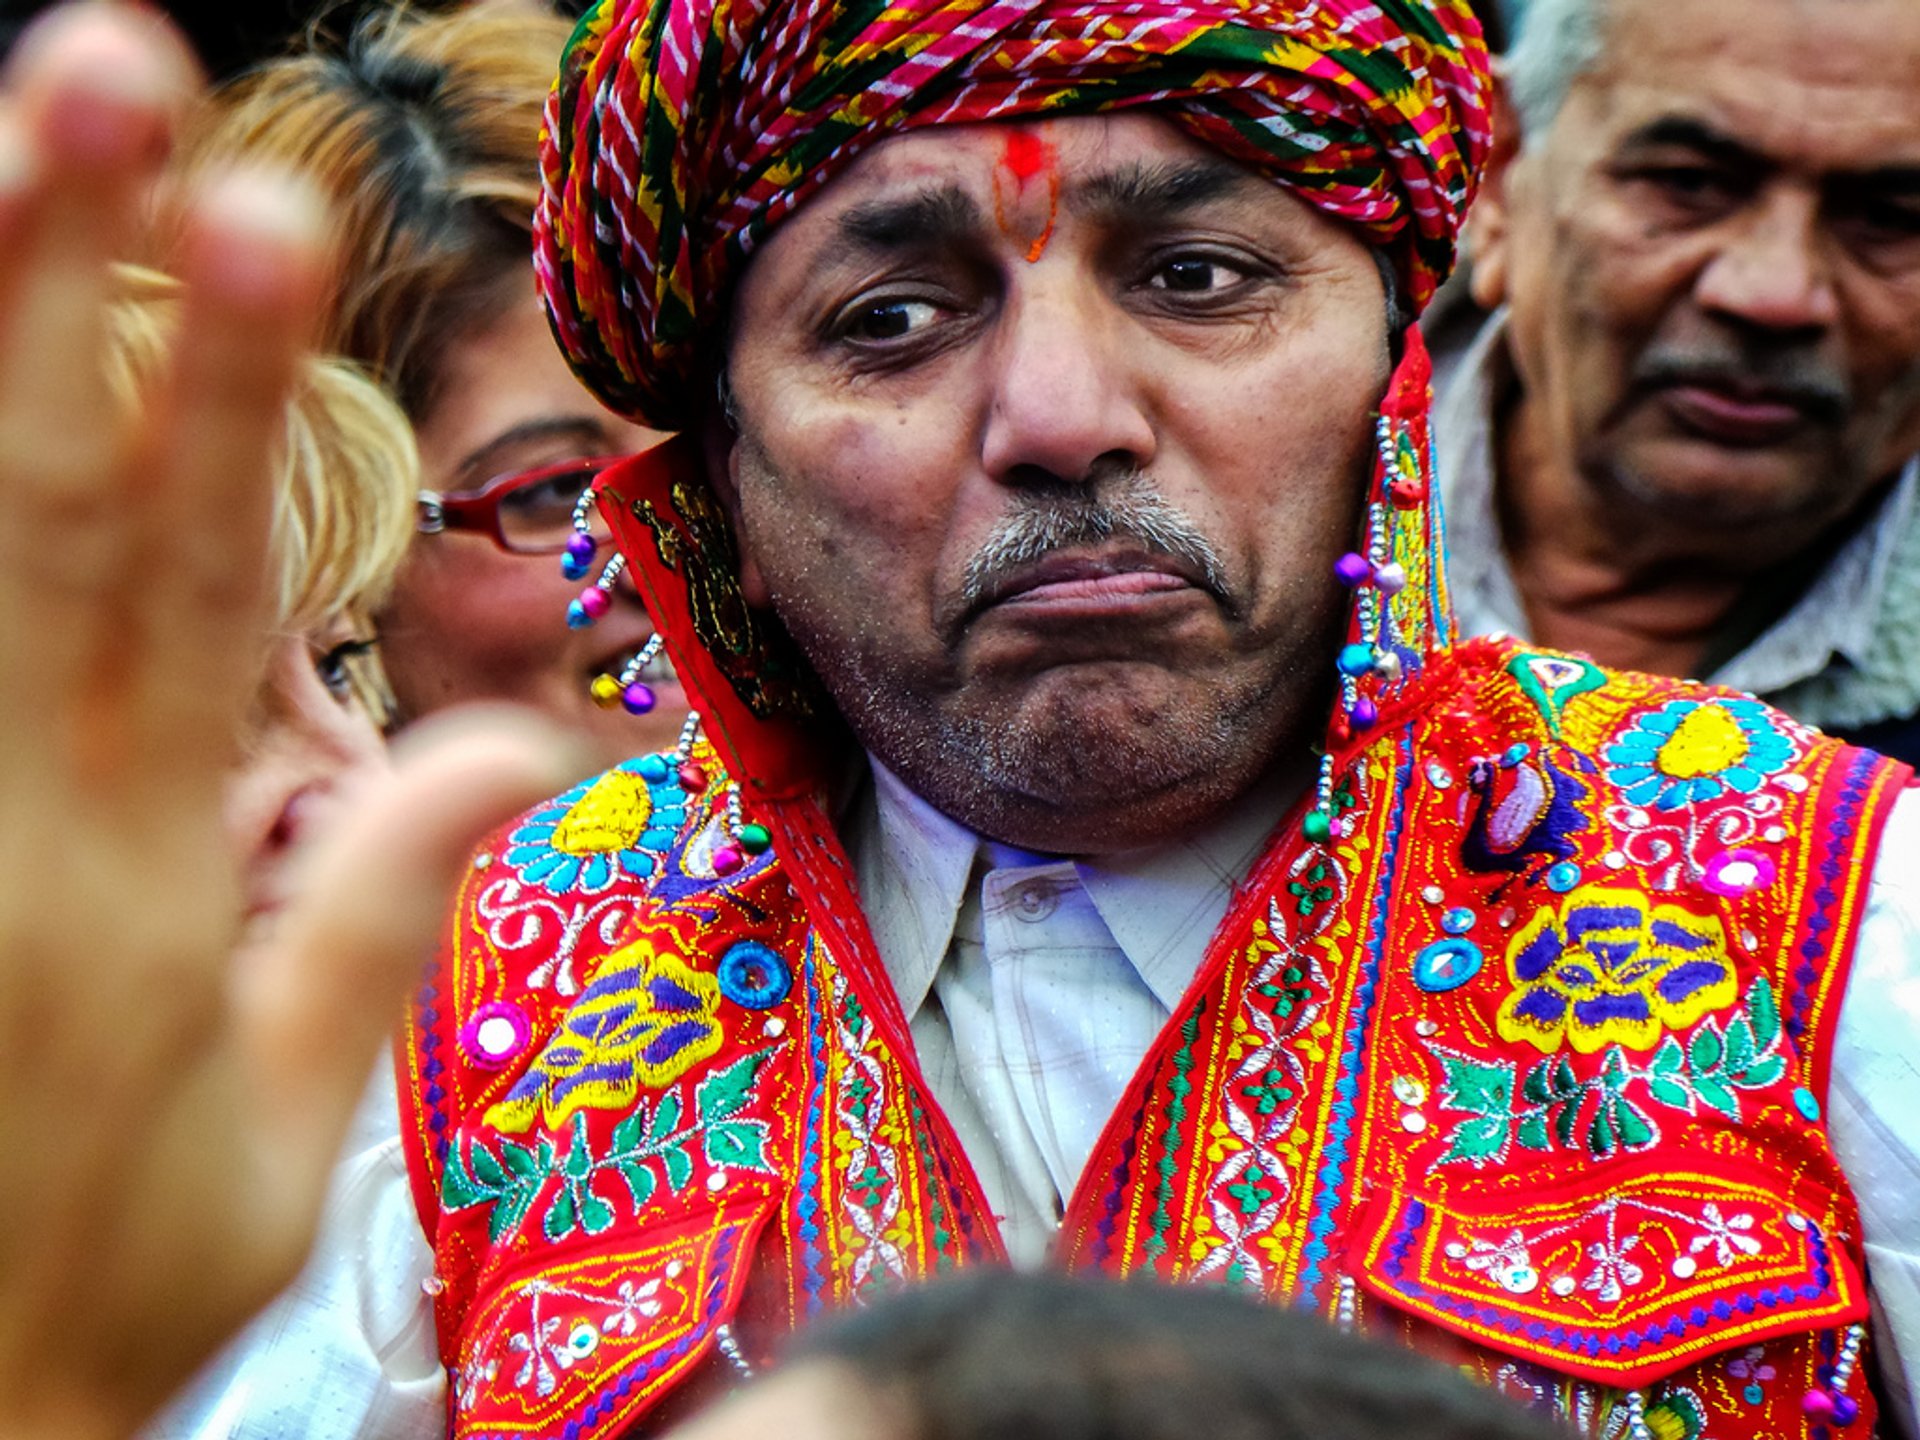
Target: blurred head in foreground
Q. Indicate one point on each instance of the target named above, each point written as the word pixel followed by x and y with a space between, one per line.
pixel 343 495
pixel 422 133
pixel 996 1354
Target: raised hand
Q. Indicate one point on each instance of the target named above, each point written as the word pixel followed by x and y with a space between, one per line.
pixel 166 1124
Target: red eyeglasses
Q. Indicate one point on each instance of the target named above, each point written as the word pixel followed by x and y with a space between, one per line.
pixel 527 512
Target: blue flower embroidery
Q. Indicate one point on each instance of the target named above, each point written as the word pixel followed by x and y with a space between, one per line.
pixel 599 832
pixel 1612 968
pixel 1689 751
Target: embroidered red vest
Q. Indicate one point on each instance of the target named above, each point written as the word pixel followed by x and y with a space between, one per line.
pixel 1521 1056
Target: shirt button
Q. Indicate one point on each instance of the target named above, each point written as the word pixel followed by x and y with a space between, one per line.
pixel 1035 901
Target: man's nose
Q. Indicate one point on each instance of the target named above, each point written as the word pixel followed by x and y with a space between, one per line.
pixel 1773 270
pixel 1067 391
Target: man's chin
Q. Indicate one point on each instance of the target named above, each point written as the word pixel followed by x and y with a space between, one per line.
pixel 1080 769
pixel 1688 481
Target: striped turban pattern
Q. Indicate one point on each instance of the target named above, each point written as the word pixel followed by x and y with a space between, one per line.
pixel 681 132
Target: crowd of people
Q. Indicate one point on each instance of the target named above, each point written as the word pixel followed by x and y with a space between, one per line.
pixel 1042 718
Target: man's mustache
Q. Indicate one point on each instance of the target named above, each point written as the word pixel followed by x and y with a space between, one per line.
pixel 1790 376
pixel 1127 508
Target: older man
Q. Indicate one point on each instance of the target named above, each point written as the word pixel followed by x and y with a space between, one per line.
pixel 1046 372
pixel 1685 441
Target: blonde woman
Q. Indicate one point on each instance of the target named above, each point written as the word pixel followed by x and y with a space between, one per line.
pixel 342 517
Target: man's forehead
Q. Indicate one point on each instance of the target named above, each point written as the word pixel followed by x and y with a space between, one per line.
pixel 1812 84
pixel 1064 150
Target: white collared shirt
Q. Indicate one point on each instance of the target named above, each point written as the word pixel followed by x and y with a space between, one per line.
pixel 1034 985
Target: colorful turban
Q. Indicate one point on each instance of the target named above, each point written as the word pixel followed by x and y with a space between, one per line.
pixel 681 132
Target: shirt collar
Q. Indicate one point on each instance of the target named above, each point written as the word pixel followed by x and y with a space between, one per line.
pixel 1161 905
pixel 1836 617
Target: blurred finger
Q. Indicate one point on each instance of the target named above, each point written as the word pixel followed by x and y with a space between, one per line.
pixel 94 91
pixel 252 265
pixel 372 903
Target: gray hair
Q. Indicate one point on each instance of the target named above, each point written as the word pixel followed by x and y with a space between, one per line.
pixel 1555 43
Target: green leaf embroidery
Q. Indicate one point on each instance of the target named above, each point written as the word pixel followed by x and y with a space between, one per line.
pixel 679 1166
pixel 724 1093
pixel 522 1161
pixel 1532 1132
pixel 1477 1087
pixel 558 1223
pixel 457 1190
pixel 1636 1129
pixel 1674 1094
pixel 596 1215
pixel 1764 1013
pixel 1765 1072
pixel 1740 1047
pixel 1479 1140
pixel 639 1182
pixel 666 1117
pixel 740 1143
pixel 1706 1050
pixel 487 1170
pixel 1713 1091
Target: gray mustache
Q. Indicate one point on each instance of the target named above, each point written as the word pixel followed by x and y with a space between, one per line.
pixel 1128 508
pixel 1793 376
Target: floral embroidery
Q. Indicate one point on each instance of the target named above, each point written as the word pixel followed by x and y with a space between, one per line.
pixel 1552 1107
pixel 1610 968
pixel 645 1018
pixel 1689 751
pixel 599 833
pixel 654 1143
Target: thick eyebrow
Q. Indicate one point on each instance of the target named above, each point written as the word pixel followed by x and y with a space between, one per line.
pixel 1159 192
pixel 483 463
pixel 1724 149
pixel 924 219
pixel 1696 135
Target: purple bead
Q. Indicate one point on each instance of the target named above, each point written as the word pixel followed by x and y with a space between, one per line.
pixel 638 698
pixel 581 547
pixel 1365 714
pixel 1846 1410
pixel 1817 1406
pixel 1391 579
pixel 1353 569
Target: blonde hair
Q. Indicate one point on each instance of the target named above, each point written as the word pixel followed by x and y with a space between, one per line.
pixel 422 133
pixel 344 479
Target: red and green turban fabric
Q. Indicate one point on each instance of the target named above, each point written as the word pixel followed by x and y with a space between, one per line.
pixel 681 132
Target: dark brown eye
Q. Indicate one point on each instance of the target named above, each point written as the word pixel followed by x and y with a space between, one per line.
pixel 890 319
pixel 1189 275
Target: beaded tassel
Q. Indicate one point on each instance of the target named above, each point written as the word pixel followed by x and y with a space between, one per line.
pixel 627 689
pixel 577 560
pixel 1832 1405
pixel 1374 577
pixel 730 1349
pixel 596 599
pixel 1637 1416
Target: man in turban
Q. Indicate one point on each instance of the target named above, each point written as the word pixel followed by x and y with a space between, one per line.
pixel 1091 848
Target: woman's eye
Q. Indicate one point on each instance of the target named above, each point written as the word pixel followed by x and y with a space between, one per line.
pixel 336 668
pixel 1194 275
pixel 890 319
pixel 556 496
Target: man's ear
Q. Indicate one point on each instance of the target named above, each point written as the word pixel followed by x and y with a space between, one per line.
pixel 720 447
pixel 1489 221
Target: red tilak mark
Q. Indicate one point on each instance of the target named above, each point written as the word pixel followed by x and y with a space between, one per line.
pixel 1028 155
